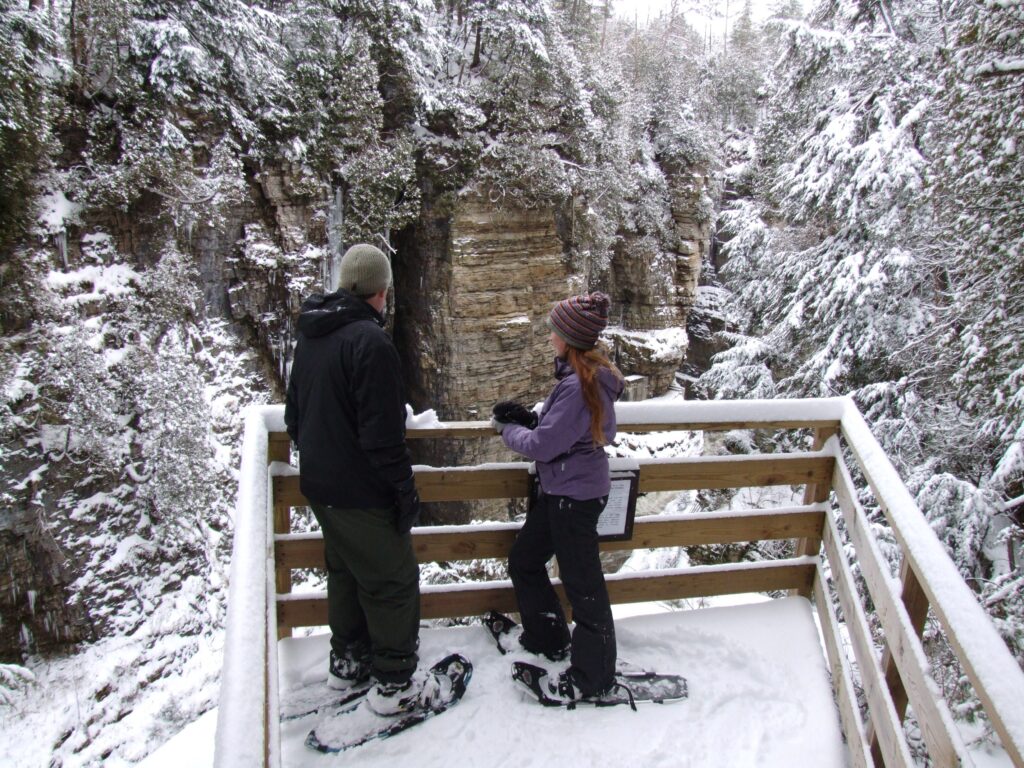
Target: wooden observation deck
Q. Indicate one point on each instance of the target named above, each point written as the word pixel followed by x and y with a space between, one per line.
pixel 890 666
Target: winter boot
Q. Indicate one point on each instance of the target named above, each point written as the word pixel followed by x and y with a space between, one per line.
pixel 348 670
pixel 564 690
pixel 561 688
pixel 424 690
pixel 555 654
pixel 560 654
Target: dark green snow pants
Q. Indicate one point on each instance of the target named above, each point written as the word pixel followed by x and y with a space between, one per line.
pixel 373 588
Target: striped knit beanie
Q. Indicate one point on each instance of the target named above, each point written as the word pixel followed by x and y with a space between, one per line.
pixel 579 320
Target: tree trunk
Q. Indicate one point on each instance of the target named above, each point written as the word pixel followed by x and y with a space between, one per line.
pixel 478 47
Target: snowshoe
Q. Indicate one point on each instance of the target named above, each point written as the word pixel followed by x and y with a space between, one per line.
pixel 559 691
pixel 356 723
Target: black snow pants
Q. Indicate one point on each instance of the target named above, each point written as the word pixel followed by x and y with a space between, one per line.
pixel 373 589
pixel 566 528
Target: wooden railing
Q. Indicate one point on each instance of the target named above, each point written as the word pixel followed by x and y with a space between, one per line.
pixel 892 670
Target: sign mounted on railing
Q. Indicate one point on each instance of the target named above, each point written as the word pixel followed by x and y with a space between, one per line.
pixel 616 522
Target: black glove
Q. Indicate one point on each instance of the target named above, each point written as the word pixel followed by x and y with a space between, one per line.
pixel 408 506
pixel 508 412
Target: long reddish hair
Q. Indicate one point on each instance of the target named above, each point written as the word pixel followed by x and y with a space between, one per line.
pixel 586 363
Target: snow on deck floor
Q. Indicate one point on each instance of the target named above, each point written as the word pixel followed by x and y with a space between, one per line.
pixel 759 696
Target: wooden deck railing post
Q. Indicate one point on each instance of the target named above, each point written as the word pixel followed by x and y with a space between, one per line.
pixel 916 602
pixel 280 450
pixel 279 447
pixel 987 662
pixel 282 574
pixel 815 493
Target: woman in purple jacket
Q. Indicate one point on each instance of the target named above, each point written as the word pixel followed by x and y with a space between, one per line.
pixel 567 443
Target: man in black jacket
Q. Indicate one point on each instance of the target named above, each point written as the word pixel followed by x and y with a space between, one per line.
pixel 346 413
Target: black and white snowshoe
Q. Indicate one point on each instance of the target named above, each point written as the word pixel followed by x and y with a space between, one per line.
pixel 355 723
pixel 558 691
pixel 506 632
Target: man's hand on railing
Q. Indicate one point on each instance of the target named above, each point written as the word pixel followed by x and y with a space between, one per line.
pixel 508 412
pixel 408 506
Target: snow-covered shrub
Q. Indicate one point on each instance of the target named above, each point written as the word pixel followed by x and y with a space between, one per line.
pixel 13 677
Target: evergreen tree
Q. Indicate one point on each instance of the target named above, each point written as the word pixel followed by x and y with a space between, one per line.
pixel 881 260
pixel 25 115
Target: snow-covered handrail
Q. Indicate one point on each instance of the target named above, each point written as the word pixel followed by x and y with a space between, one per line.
pixel 653 415
pixel 247 725
pixel 995 674
pixel 750 413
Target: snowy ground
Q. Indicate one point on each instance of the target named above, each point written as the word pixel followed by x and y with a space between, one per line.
pixel 117 692
pixel 759 696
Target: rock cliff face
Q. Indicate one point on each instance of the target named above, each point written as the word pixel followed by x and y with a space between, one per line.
pixel 279 257
pixel 473 285
pixel 654 289
pixel 34 580
pixel 472 295
pixel 474 282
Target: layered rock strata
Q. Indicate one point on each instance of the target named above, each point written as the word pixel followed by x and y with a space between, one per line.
pixel 474 282
pixel 472 296
pixel 473 286
pixel 654 288
pixel 279 258
pixel 38 616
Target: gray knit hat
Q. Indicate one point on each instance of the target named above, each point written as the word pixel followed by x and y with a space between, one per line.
pixel 365 270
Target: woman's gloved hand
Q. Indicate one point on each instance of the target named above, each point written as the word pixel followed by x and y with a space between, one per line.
pixel 508 412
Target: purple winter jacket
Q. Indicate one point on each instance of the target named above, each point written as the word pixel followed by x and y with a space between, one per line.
pixel 568 462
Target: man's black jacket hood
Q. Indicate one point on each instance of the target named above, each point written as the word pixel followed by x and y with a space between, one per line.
pixel 346 405
pixel 323 313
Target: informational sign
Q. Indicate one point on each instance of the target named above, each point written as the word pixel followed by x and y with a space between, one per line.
pixel 616 522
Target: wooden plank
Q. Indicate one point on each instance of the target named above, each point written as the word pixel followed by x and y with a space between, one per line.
pixel 718 580
pixel 937 727
pixel 471 542
pixel 995 674
pixel 272 705
pixel 880 708
pixel 721 426
pixel 735 472
pixel 470 484
pixel 282 573
pixel 842 679
pixel 471 600
pixel 483 429
pixel 436 485
pixel 816 493
pixel 270 722
pixel 447 484
pixel 279 447
pixel 717 528
pixel 916 603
